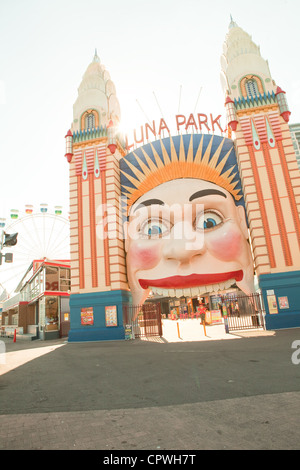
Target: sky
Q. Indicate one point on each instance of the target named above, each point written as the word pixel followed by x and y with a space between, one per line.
pixel 160 55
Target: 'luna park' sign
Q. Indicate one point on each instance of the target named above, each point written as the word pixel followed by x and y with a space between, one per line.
pixel 198 122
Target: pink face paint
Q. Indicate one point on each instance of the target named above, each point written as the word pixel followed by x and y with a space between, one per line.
pixel 225 244
pixel 144 257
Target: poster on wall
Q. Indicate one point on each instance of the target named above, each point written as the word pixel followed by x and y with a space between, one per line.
pixel 283 302
pixel 87 316
pixel 272 304
pixel 111 315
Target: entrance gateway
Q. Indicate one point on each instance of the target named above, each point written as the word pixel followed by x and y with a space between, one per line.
pixel 236 313
pixel 187 215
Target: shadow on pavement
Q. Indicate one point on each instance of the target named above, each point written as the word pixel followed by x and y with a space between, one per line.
pixel 137 374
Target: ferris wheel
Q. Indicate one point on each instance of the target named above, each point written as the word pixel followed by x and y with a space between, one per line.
pixel 42 235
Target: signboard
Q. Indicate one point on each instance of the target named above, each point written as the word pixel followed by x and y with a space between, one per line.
pixel 283 302
pixel 129 332
pixel 111 318
pixel 213 317
pixel 155 130
pixel 216 317
pixel 272 304
pixel 87 316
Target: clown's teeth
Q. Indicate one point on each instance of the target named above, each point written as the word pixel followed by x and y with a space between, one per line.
pixel 216 287
pixel 229 283
pixel 192 292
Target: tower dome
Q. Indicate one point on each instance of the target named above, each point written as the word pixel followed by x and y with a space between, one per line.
pixel 241 57
pixel 97 102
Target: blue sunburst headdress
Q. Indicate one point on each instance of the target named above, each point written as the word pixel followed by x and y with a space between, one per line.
pixel 200 156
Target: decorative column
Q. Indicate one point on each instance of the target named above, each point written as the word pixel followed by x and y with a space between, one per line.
pixel 270 176
pixel 93 151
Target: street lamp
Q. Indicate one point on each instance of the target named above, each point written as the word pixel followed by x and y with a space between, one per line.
pixel 7 239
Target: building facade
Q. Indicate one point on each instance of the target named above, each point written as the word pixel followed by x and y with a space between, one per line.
pixel 104 265
pixel 40 306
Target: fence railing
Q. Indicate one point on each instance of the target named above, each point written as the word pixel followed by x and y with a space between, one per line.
pixel 14 301
pixel 145 319
pixel 245 312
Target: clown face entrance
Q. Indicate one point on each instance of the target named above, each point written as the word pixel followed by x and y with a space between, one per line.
pixel 236 313
pixel 145 319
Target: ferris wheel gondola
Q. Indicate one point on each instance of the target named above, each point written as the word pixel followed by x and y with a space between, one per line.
pixel 42 235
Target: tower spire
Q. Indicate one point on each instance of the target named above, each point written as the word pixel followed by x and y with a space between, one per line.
pixel 232 22
pixel 96 58
pixel 96 96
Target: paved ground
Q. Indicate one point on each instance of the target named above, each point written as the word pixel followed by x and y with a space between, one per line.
pixel 242 393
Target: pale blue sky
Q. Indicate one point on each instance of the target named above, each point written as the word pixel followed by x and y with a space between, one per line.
pixel 146 45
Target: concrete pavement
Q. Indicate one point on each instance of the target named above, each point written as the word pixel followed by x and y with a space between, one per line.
pixel 152 395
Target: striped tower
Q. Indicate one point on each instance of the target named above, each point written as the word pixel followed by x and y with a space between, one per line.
pixel 258 115
pixel 98 275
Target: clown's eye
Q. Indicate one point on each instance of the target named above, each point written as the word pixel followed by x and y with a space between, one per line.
pixel 208 220
pixel 154 228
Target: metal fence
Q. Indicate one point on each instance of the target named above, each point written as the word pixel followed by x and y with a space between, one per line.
pixel 244 312
pixel 145 319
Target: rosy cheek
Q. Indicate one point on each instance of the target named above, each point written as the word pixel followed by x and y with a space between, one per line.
pixel 227 246
pixel 143 257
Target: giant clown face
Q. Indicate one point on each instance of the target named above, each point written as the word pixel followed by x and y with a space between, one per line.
pixel 187 237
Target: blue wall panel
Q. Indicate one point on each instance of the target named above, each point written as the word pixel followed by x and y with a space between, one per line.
pixel 98 331
pixel 284 285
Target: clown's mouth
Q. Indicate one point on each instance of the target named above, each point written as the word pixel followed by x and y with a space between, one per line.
pixel 192 285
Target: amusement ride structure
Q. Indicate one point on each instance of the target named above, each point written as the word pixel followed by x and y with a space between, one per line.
pixel 41 233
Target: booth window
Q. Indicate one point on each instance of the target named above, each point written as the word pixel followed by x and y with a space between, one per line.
pixel 36 286
pixel 57 279
pixel 64 279
pixel 52 278
pixel 51 313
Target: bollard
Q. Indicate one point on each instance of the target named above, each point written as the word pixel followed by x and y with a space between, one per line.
pixel 178 331
pixel 15 335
